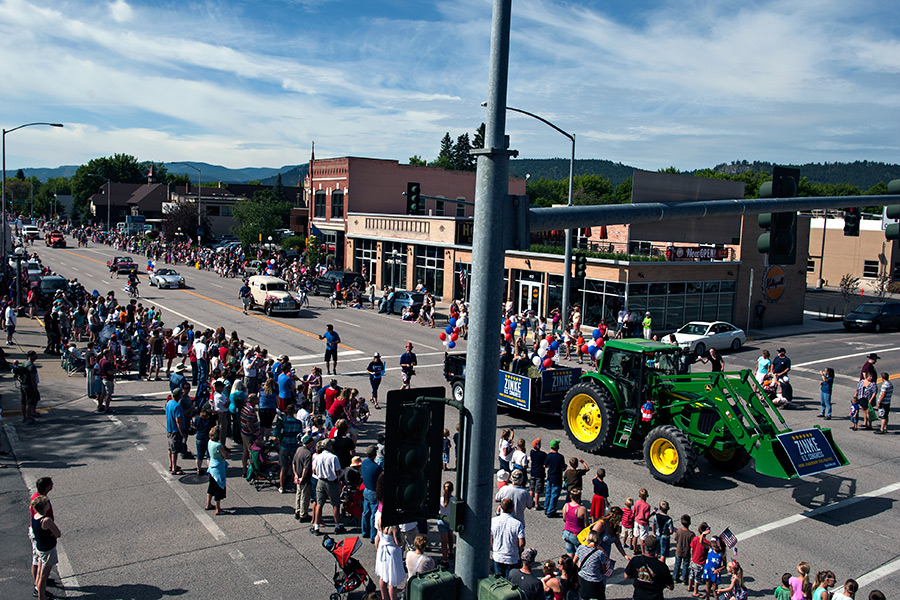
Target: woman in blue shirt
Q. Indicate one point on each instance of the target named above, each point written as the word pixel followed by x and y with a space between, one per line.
pixel 825 392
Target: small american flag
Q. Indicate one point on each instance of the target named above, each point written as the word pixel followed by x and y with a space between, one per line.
pixel 729 538
pixel 610 567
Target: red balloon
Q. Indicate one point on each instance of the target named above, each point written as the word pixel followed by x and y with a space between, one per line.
pixel 508 337
pixel 551 353
pixel 507 322
pixel 456 330
pixel 454 337
pixel 548 362
pixel 549 339
pixel 442 335
pixel 584 349
pixel 507 330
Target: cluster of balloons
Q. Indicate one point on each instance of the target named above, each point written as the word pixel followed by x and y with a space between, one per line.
pixel 547 354
pixel 509 326
pixel 450 334
pixel 594 347
pixel 270 267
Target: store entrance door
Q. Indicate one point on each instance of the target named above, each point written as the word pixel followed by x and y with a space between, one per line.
pixel 530 293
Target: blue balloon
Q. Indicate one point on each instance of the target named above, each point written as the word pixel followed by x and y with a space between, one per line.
pixel 596 334
pixel 554 345
pixel 452 322
pixel 512 326
pixel 451 344
pixel 448 329
pixel 591 349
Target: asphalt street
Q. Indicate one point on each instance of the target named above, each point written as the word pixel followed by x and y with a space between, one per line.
pixel 131 530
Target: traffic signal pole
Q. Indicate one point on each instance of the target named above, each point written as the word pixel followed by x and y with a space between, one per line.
pixel 482 365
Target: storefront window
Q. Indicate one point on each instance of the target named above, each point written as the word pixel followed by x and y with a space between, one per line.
pixel 430 269
pixel 365 262
pixel 393 259
pixel 462 281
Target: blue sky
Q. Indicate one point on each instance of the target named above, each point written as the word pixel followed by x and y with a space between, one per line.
pixel 647 83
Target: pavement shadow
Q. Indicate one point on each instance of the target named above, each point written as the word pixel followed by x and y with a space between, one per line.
pixel 127 591
pixel 824 489
pixel 864 509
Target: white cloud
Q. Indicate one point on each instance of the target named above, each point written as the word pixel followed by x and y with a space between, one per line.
pixel 121 11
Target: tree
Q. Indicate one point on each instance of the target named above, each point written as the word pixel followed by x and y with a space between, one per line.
pixel 183 216
pixel 849 288
pixel 478 138
pixel 445 156
pixel 591 189
pixel 417 161
pixel 258 217
pixel 278 190
pixel 461 159
pixel 20 175
pixel 313 254
pixel 119 168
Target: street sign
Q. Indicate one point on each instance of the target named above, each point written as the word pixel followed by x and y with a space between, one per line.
pixel 809 451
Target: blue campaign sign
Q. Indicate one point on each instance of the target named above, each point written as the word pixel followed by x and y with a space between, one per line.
pixel 514 390
pixel 809 451
pixel 556 382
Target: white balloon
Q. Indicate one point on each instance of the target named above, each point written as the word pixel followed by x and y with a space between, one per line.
pixel 544 344
pixel 536 361
pixel 542 352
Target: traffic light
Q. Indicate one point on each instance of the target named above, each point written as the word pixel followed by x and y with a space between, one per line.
pixel 892 211
pixel 413 198
pixel 414 431
pixel 580 266
pixel 851 221
pixel 780 241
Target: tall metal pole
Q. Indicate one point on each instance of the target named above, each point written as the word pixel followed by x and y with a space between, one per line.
pixel 821 282
pixel 491 208
pixel 108 200
pixel 199 192
pixel 3 250
pixel 567 262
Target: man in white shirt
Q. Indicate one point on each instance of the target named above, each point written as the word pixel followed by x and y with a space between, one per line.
pixel 220 407
pixel 507 539
pixel 515 491
pixel 250 364
pixel 200 351
pixel 327 471
pixel 10 322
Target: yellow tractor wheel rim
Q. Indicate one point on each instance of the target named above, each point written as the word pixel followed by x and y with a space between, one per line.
pixel 722 455
pixel 584 418
pixel 664 456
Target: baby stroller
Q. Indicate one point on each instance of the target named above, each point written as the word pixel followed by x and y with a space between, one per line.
pixel 349 574
pixel 351 500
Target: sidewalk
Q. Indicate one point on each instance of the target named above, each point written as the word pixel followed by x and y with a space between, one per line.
pixel 15 486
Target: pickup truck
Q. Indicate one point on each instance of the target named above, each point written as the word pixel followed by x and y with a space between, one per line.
pixel 537 392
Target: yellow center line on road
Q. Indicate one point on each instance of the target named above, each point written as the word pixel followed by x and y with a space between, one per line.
pixel 225 304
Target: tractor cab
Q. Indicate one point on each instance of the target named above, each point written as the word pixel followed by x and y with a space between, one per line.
pixel 630 363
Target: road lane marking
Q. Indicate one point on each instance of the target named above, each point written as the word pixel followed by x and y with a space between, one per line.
pixel 888 489
pixel 348 323
pixel 875 575
pixel 63 566
pixel 192 506
pixel 855 355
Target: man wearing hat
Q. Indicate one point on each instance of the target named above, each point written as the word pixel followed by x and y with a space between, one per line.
pixel 526 581
pixel 516 492
pixel 556 464
pixel 177 378
pixel 408 363
pixel 375 369
pixel 648 325
pixel 868 367
pixel 302 465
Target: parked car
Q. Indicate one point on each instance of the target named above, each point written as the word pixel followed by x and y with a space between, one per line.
pixel 45 289
pixel 874 316
pixel 272 296
pixel 166 278
pixel 700 336
pixel 326 283
pixel 32 267
pixel 406 299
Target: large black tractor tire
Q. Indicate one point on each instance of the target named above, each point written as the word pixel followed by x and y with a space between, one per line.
pixel 670 455
pixel 728 460
pixel 458 390
pixel 589 417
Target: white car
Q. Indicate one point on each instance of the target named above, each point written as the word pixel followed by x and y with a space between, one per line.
pixel 166 278
pixel 700 336
pixel 271 294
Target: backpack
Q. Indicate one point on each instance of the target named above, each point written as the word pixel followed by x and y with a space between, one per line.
pixel 20 372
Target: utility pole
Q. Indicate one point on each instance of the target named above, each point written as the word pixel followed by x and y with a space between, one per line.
pixel 480 420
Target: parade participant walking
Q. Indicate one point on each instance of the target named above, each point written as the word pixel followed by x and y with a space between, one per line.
pixel 408 364
pixel 245 296
pixel 332 340
pixel 781 367
pixel 375 369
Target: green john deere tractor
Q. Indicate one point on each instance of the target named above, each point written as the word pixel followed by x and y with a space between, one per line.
pixel 638 399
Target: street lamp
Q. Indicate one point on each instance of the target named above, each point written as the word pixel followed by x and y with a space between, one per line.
pixel 199 191
pixel 567 263
pixel 3 184
pixel 108 196
pixel 270 246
